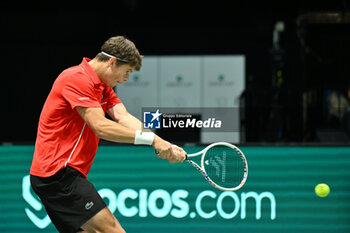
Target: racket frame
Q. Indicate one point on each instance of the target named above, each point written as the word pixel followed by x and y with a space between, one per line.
pixel 201 168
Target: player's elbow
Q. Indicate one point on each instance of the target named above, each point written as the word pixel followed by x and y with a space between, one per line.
pixel 99 128
pixel 99 133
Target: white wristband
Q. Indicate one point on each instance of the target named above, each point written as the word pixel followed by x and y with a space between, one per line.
pixel 143 138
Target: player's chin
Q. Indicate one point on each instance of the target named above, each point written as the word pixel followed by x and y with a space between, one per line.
pixel 112 85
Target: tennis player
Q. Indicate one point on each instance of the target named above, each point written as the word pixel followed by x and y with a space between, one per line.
pixel 71 124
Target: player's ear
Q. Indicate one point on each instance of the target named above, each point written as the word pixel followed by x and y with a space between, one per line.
pixel 112 61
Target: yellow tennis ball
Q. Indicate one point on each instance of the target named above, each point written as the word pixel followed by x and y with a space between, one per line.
pixel 322 190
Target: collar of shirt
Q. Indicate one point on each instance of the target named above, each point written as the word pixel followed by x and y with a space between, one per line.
pixel 91 73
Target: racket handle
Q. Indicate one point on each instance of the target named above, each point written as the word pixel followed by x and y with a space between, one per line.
pixel 157 153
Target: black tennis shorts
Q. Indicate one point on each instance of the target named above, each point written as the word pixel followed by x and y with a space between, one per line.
pixel 69 199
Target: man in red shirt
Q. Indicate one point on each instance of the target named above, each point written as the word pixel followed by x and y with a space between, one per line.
pixel 71 123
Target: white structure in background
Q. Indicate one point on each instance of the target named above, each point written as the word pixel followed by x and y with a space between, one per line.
pixel 223 84
pixel 188 82
pixel 180 82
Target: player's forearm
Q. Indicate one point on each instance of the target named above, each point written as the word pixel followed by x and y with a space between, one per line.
pixel 131 122
pixel 112 131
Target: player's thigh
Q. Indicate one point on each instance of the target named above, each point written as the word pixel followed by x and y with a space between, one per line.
pixel 103 221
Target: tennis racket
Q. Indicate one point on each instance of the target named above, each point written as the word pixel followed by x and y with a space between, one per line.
pixel 223 165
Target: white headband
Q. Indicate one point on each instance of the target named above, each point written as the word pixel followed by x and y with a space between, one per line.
pixel 108 55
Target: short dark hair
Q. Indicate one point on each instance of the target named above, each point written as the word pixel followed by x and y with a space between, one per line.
pixel 121 48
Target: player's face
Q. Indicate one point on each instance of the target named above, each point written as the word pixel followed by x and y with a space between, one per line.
pixel 119 74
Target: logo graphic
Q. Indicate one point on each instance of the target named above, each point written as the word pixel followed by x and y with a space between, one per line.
pixel 137 81
pixel 179 81
pixel 176 204
pixel 36 214
pixel 221 81
pixel 89 205
pixel 152 120
pixel 136 78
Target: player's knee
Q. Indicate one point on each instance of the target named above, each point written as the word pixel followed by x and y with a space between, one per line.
pixel 114 227
pixel 115 230
pixel 122 231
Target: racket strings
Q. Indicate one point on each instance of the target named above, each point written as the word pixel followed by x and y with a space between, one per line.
pixel 224 166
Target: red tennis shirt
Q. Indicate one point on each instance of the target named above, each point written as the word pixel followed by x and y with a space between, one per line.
pixel 63 138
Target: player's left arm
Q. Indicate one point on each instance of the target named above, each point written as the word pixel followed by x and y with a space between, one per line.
pixel 120 114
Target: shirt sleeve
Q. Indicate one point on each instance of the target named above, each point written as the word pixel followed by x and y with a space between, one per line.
pixel 112 98
pixel 78 91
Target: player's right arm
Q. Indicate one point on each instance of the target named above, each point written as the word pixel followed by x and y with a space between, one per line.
pixel 105 128
pixel 111 131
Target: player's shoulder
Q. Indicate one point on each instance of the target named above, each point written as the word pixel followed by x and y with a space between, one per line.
pixel 74 73
pixel 74 76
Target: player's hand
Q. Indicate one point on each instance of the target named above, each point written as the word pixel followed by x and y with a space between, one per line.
pixel 179 154
pixel 165 150
pixel 162 147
